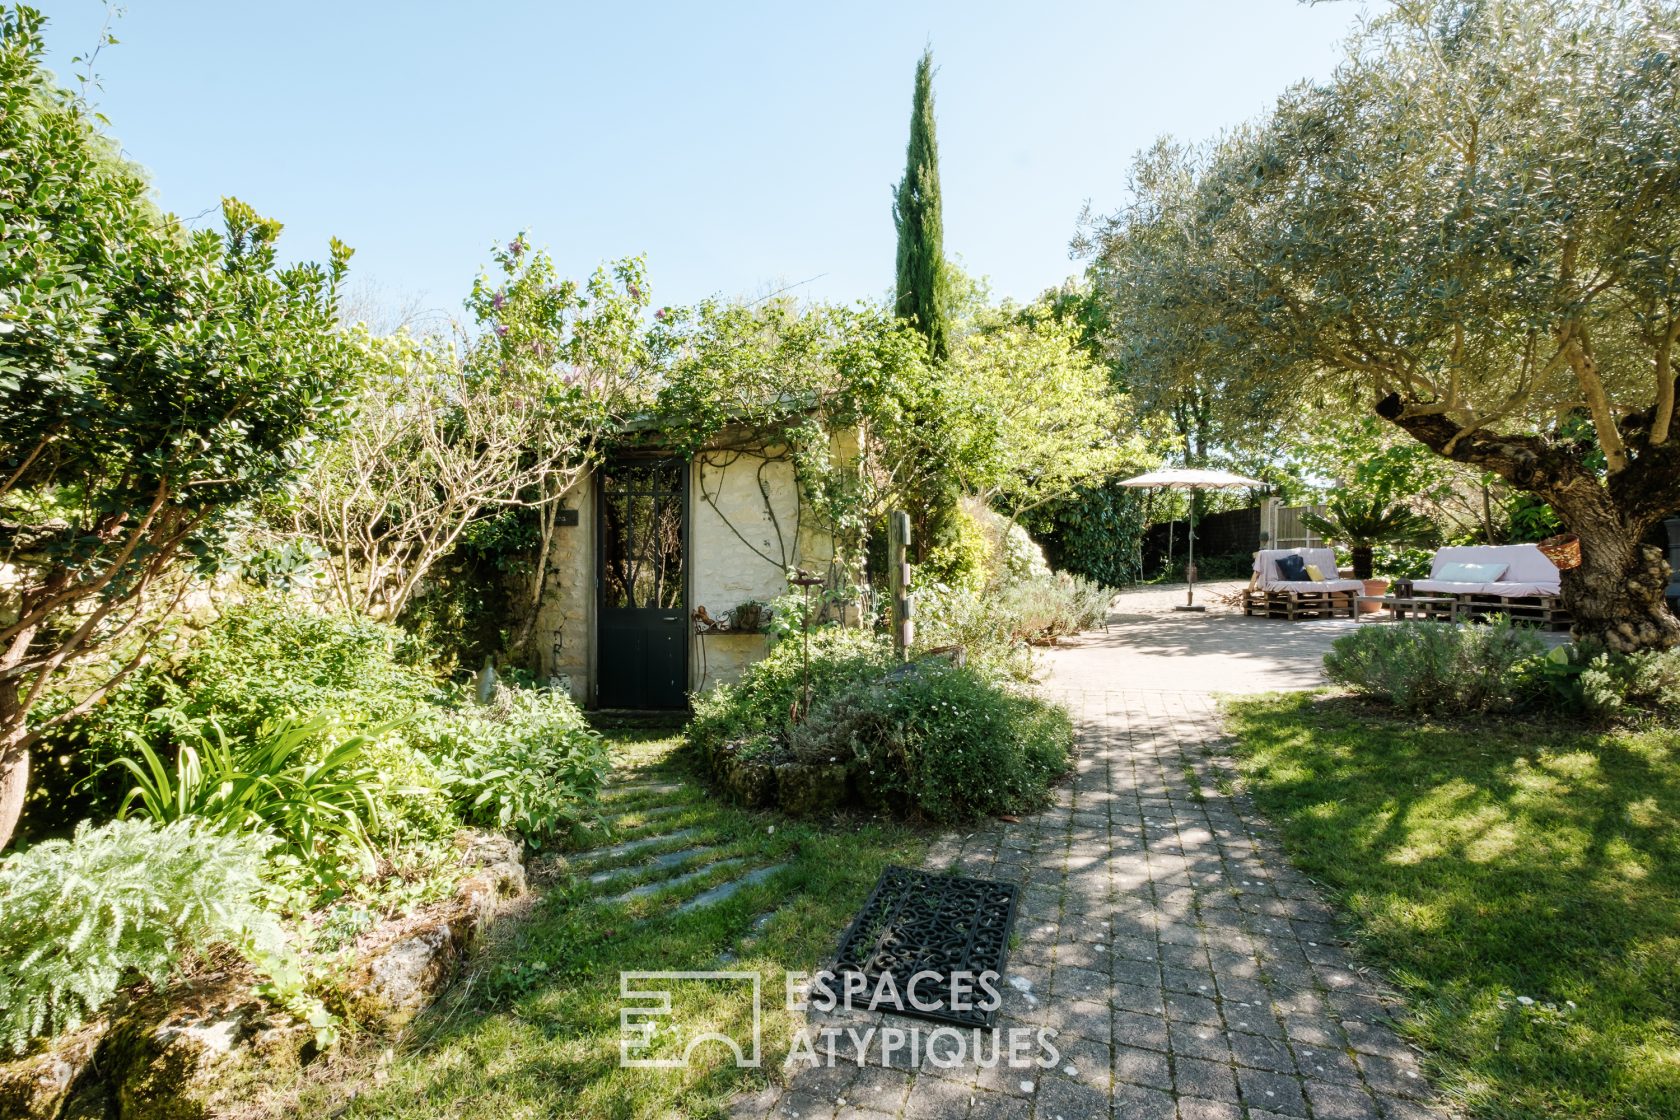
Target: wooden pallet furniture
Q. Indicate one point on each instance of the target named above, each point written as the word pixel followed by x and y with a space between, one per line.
pixel 1421 608
pixel 1269 595
pixel 1296 605
pixel 1544 611
pixel 1527 590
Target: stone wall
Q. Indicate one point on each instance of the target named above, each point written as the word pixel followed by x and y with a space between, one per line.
pixel 747 528
pixel 564 635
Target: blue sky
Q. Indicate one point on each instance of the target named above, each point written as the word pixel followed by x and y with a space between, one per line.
pixel 741 147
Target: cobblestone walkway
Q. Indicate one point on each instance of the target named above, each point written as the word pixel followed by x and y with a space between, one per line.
pixel 1190 972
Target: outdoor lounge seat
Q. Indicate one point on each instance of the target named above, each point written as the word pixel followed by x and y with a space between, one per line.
pixel 1527 574
pixel 1271 596
pixel 1528 588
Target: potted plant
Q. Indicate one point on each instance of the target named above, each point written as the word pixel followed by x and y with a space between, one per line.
pixel 1363 521
pixel 749 617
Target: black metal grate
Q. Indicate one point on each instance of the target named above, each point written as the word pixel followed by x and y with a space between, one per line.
pixel 944 924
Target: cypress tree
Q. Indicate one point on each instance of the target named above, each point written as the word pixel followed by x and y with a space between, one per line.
pixel 921 291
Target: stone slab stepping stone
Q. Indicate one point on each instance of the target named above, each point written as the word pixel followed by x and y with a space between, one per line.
pixel 724 890
pixel 637 844
pixel 669 859
pixel 675 881
pixel 653 813
pixel 644 787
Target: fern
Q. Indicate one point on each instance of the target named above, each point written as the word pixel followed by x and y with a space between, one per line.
pixel 126 901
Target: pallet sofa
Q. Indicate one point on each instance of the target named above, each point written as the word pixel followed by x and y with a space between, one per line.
pixel 1525 584
pixel 1269 595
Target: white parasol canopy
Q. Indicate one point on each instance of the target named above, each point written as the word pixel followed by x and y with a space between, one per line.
pixel 1188 478
pixel 1191 478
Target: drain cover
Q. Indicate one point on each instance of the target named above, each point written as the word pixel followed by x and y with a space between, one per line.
pixel 915 922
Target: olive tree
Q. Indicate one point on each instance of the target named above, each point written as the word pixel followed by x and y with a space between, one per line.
pixel 1470 229
pixel 153 382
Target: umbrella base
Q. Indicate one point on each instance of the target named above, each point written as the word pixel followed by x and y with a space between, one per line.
pixel 1197 607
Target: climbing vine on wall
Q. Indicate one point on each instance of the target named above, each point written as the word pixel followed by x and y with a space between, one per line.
pixel 768 384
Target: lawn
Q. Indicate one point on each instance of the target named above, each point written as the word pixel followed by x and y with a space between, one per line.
pixel 1519 883
pixel 533 1030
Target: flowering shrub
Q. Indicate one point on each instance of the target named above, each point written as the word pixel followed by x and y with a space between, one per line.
pixel 762 702
pixel 948 742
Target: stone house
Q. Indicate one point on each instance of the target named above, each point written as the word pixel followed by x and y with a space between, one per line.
pixel 652 543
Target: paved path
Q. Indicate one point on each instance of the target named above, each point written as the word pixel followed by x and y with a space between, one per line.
pixel 1190 972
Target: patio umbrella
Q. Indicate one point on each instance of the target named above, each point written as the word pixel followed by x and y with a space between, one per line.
pixel 1187 478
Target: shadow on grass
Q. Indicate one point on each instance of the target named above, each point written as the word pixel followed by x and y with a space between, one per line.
pixel 1521 883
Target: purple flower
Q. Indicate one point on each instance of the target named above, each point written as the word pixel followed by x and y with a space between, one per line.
pixel 660 314
pixel 635 292
pixel 497 300
pixel 516 246
pixel 501 330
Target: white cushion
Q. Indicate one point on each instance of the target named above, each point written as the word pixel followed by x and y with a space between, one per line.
pixel 1265 566
pixel 1525 565
pixel 1460 572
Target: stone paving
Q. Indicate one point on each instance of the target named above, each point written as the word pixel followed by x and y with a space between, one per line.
pixel 1190 973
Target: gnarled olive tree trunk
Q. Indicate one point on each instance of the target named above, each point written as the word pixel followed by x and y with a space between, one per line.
pixel 1616 595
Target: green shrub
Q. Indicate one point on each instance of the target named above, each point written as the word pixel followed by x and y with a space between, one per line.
pixel 1095 532
pixel 992 625
pixel 951 742
pixel 259 662
pixel 529 762
pixel 1587 679
pixel 126 901
pixel 1398 561
pixel 1437 667
pixel 309 784
pixel 272 659
pixel 966 558
pixel 763 700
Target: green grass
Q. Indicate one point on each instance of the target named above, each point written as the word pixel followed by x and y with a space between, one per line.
pixel 533 1030
pixel 1485 866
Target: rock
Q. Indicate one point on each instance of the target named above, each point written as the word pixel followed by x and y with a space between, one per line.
pixel 36 1087
pixel 168 1057
pixel 396 979
pixel 500 860
pixel 749 781
pixel 803 789
pixel 403 966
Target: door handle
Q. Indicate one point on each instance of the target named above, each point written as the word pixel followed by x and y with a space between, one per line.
pixel 672 618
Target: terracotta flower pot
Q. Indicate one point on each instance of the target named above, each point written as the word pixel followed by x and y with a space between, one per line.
pixel 1374 589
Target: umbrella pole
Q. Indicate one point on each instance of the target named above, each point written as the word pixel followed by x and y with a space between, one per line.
pixel 1190 560
pixel 1190 554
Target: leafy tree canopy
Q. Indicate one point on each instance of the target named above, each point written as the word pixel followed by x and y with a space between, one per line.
pixel 1470 227
pixel 153 380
